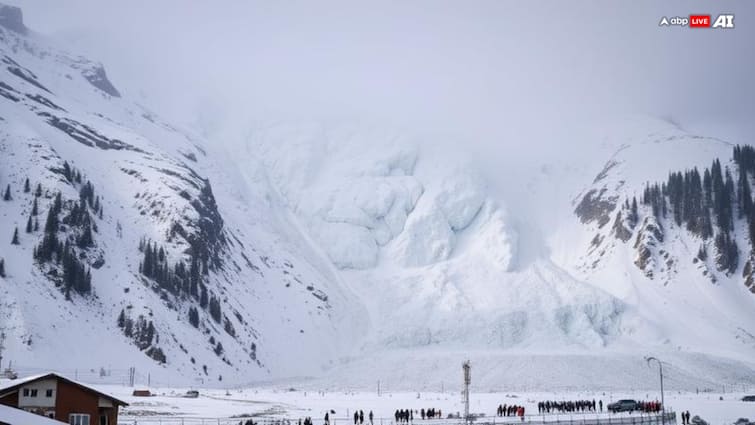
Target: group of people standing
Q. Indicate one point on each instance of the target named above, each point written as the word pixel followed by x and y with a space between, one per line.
pixel 569 406
pixel 404 416
pixel 431 413
pixel 407 415
pixel 649 406
pixel 359 417
pixel 685 418
pixel 510 410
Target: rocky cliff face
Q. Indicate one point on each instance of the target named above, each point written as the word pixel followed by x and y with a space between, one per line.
pixel 12 18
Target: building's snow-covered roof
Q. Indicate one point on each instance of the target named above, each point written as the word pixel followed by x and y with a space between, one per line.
pixel 13 416
pixel 9 383
pixel 14 384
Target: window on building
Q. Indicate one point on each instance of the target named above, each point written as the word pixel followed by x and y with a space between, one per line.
pixel 48 393
pixel 26 392
pixel 34 393
pixel 103 419
pixel 78 419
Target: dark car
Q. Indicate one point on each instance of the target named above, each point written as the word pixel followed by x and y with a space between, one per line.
pixel 748 398
pixel 623 406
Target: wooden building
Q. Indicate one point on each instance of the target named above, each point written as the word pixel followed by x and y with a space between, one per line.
pixel 13 416
pixel 60 398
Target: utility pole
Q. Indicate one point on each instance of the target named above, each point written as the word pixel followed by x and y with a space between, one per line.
pixel 2 340
pixel 467 367
pixel 663 402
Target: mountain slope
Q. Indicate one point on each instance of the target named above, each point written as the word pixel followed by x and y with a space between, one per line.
pixel 650 259
pixel 254 288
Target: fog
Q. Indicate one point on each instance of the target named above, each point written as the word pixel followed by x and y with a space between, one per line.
pixel 525 77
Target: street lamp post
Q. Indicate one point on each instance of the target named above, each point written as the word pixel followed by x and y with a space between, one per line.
pixel 663 402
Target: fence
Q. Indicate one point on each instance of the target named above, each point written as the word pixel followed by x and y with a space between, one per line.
pixel 597 419
pixel 608 419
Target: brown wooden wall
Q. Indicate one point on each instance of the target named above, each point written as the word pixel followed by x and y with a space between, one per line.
pixel 10 400
pixel 72 399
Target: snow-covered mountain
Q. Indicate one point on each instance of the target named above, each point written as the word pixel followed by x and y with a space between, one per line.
pixel 260 291
pixel 347 251
pixel 461 278
pixel 672 259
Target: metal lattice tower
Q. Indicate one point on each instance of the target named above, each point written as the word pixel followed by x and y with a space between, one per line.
pixel 467 367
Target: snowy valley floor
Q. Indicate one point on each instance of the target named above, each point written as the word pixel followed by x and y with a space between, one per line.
pixel 168 405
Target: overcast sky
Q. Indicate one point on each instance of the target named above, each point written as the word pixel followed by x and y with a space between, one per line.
pixel 502 70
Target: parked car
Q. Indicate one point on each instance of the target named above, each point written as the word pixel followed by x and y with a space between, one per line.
pixel 748 398
pixel 192 394
pixel 623 406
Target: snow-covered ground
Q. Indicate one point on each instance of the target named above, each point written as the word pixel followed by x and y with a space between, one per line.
pixel 290 403
pixel 355 252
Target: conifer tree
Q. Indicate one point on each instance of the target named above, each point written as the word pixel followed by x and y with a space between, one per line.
pixel 34 207
pixel 29 226
pixel 15 241
pixel 122 319
pixel 27 187
pixel 52 224
pixel 194 317
pixel 215 312
pixel 746 195
pixel 58 203
pixel 203 298
pixel 38 192
pixel 6 195
pixel 2 267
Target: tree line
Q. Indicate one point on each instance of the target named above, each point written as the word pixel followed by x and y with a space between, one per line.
pixel 707 203
pixel 68 232
pixel 181 279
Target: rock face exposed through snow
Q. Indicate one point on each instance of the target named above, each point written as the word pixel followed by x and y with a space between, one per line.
pixel 12 18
